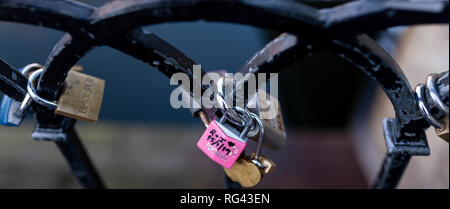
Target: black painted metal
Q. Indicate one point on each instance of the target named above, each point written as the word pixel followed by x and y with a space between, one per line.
pixel 68 142
pixel 12 82
pixel 57 129
pixel 79 161
pixel 391 171
pixel 116 24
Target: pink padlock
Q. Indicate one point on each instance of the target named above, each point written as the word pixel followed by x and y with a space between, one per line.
pixel 223 143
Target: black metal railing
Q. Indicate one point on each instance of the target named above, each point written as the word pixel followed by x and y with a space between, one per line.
pixel 117 24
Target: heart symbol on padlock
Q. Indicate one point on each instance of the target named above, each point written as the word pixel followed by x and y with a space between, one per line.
pixel 231 144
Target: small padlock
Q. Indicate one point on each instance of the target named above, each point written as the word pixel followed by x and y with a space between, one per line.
pixel 81 98
pixel 268 108
pixel 248 171
pixel 429 96
pixel 8 109
pixel 223 142
pixel 13 112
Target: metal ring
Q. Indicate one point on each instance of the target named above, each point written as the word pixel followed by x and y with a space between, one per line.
pixel 226 110
pixel 23 106
pixel 423 108
pixel 31 91
pixel 27 100
pixel 244 114
pixel 433 92
pixel 30 68
pixel 248 122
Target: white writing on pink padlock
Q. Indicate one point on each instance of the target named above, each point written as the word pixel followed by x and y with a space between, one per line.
pixel 221 145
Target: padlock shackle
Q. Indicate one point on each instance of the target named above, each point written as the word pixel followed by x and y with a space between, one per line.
pixel 32 92
pixel 261 135
pixel 30 68
pixel 248 122
pixel 242 114
pixel 27 99
pixel 226 109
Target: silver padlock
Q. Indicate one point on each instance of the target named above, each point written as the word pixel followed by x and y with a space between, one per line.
pixel 262 104
pixel 269 111
pixel 12 112
pixel 233 131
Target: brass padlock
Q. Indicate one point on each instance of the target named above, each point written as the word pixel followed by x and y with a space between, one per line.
pixel 443 133
pixel 247 173
pixel 244 172
pixel 269 110
pixel 249 170
pixel 81 98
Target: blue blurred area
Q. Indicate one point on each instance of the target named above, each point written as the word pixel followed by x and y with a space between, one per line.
pixel 134 90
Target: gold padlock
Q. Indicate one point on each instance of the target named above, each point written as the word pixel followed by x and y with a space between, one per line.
pixel 246 173
pixel 81 98
pixel 443 133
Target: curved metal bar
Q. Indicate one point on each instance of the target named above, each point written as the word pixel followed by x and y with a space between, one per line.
pixel 277 54
pixel 76 17
pixel 274 14
pixel 274 57
pixel 12 82
pixel 361 51
pixel 368 15
pixel 145 12
pixel 66 53
pixel 405 134
pixel 154 51
pixel 367 55
pixel 140 44
pixel 62 15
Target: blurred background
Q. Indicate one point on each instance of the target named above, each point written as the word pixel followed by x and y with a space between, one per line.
pixel 145 143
